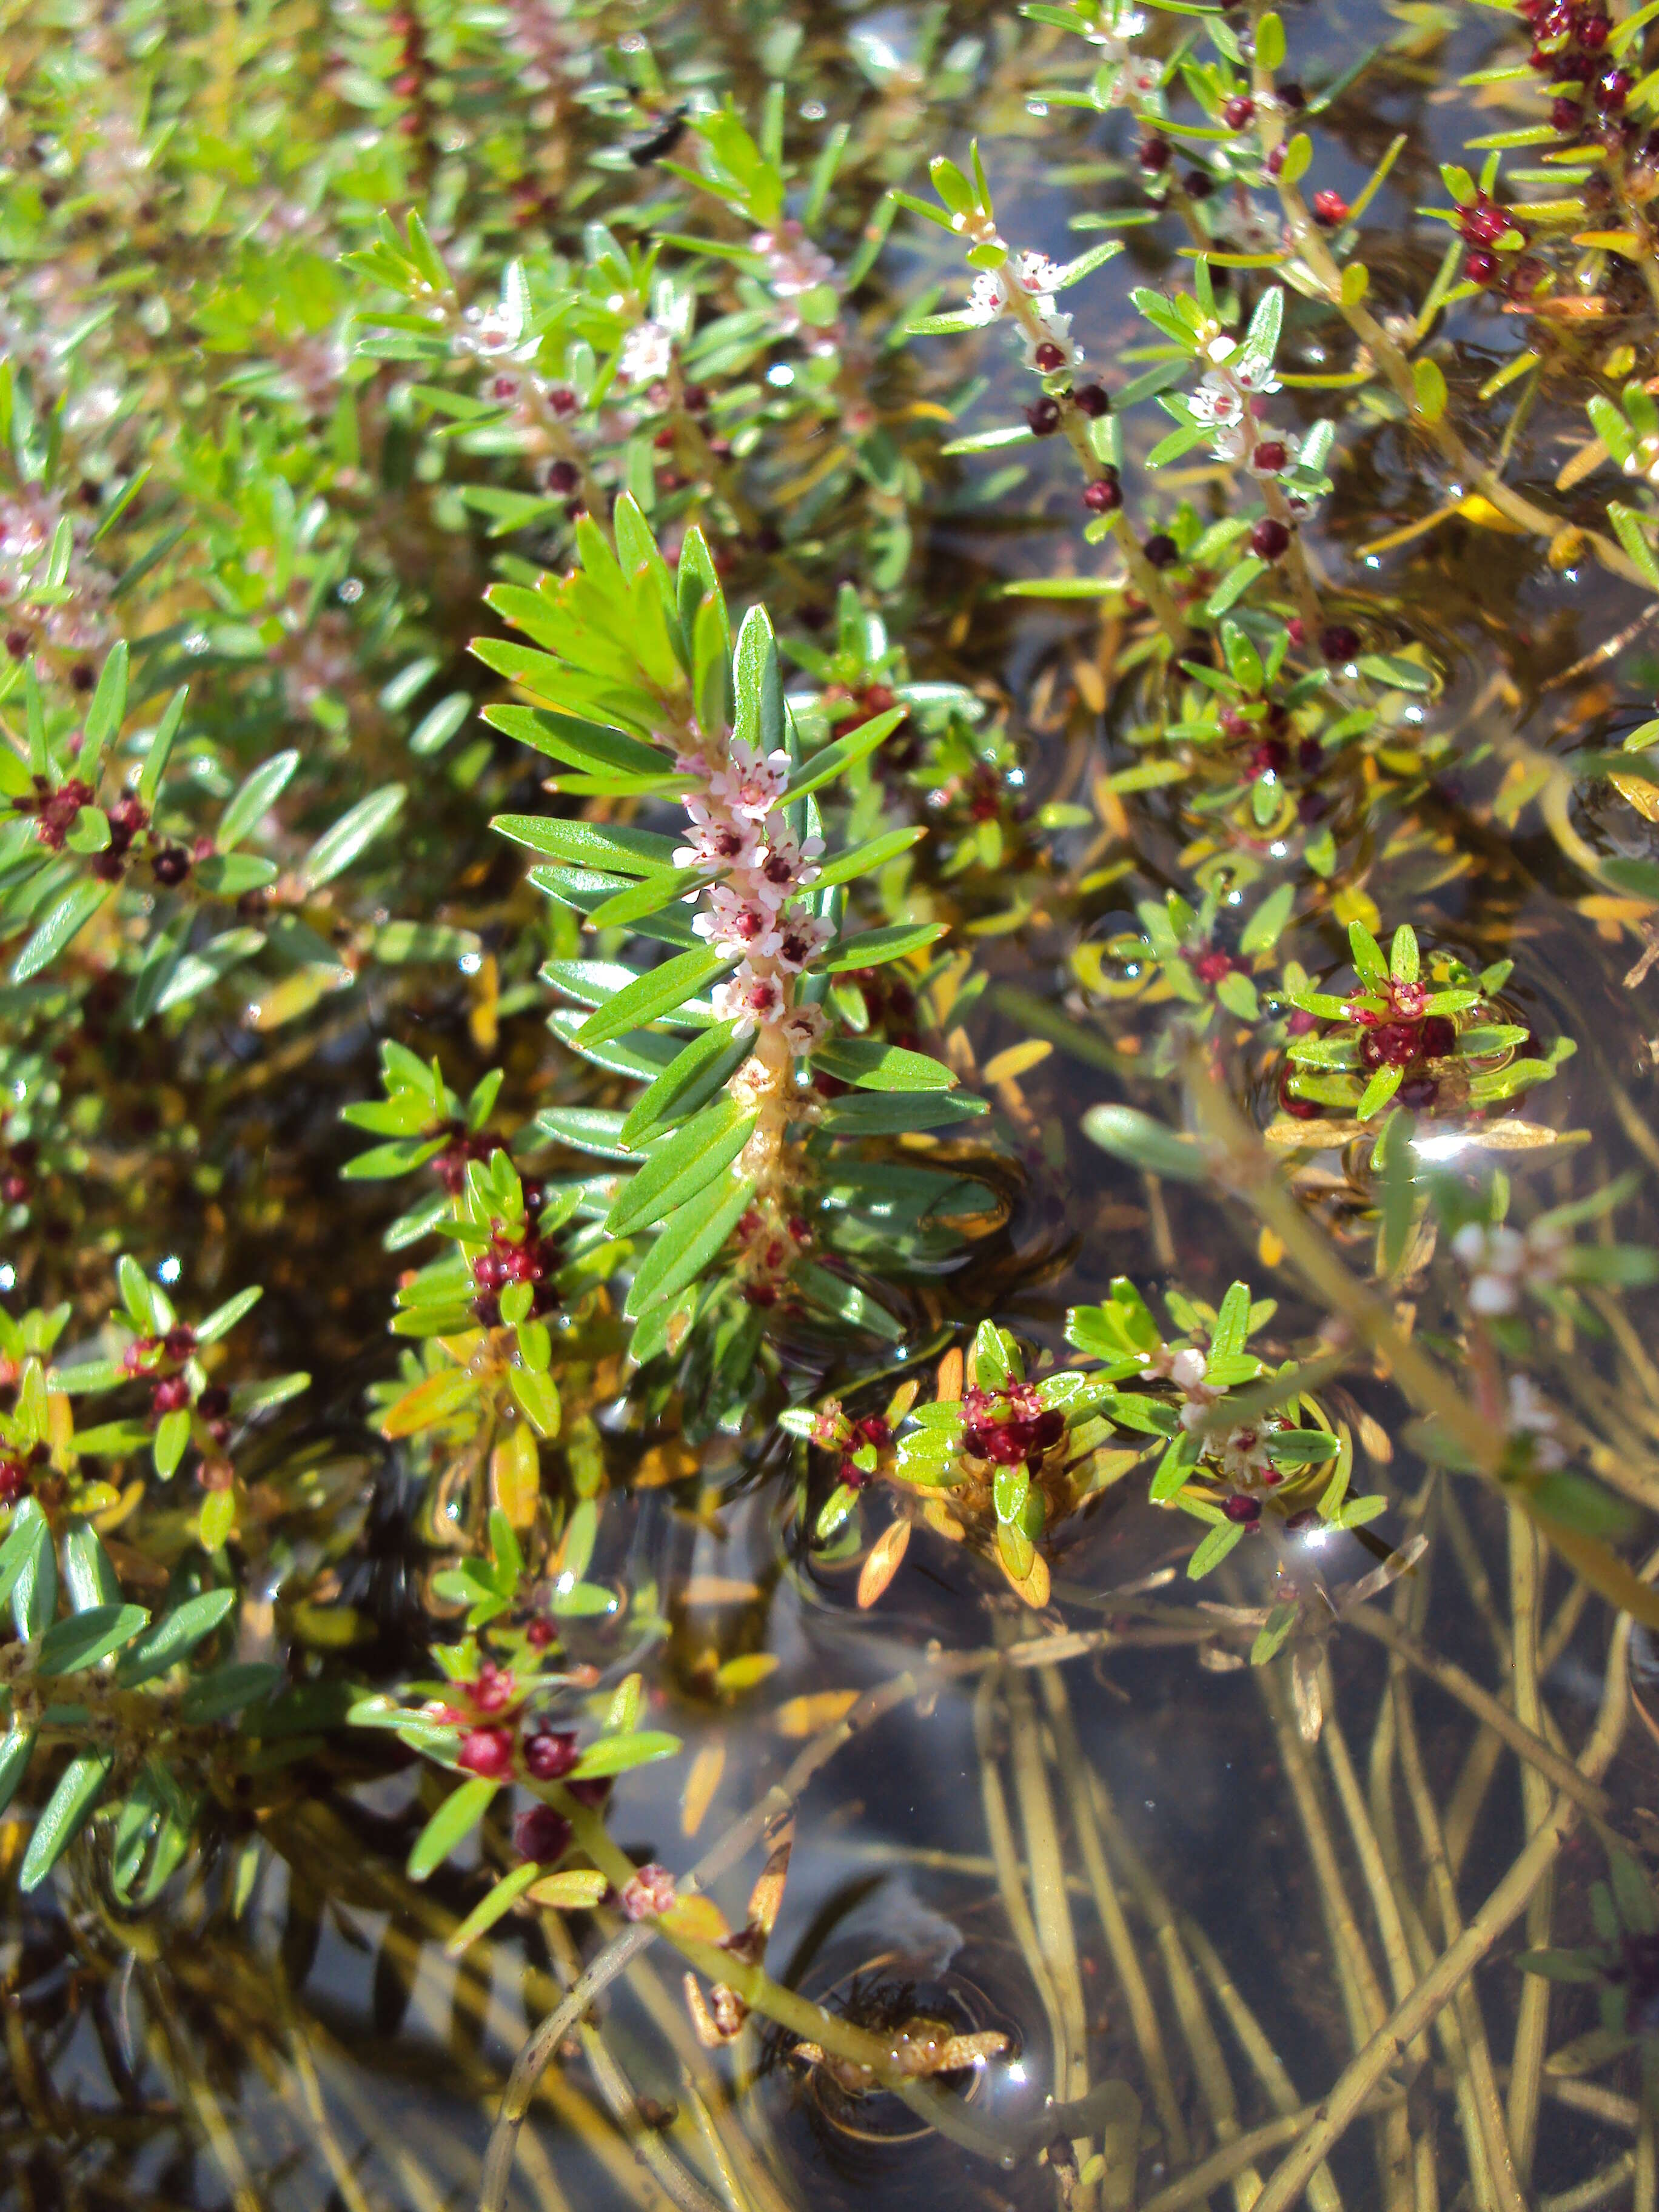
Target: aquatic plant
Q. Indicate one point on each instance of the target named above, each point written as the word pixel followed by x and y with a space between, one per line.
pixel 735 825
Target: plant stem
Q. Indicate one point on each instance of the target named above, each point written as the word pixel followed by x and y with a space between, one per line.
pixel 1532 2012
pixel 1501 1910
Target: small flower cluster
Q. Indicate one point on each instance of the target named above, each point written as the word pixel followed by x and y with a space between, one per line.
pixel 68 622
pixel 1230 404
pixel 1009 1426
pixel 1488 230
pixel 734 805
pixel 1025 288
pixel 1501 1262
pixel 1570 43
pixel 859 1443
pixel 516 1254
pixel 793 266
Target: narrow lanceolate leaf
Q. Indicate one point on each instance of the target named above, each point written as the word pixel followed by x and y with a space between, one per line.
pixel 90 1575
pixel 1379 1091
pixel 34 1579
pixel 831 760
pixel 682 1166
pixel 84 1638
pixel 62 924
pixel 688 1240
pixel 337 848
pixel 864 860
pixel 872 1066
pixel 488 1909
pixel 15 1750
pixel 64 1815
pixel 253 798
pixel 175 1636
pixel 459 1814
pixel 1214 1548
pixel 650 996
pixel 700 1061
pixel 873 946
pixel 105 714
pixel 616 1754
pixel 603 845
pixel 1143 1143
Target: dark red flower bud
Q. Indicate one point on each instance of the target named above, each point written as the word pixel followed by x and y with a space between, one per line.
pixel 1043 416
pixel 488 1751
pixel 1566 116
pixel 563 400
pixel 1237 112
pixel 1090 400
pixel 1103 496
pixel 492 1689
pixel 1274 163
pixel 1613 89
pixel 1154 154
pixel 1330 209
pixel 562 477
pixel 1338 642
pixel 1439 1038
pixel 1270 455
pixel 179 1342
pixel 541 1834
pixel 170 865
pixel 1270 540
pixel 550 1754
pixel 539 1634
pixel 1245 1512
pixel 170 1395
pixel 1161 551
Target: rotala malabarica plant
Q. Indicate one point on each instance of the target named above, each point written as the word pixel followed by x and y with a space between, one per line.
pixel 1060 1110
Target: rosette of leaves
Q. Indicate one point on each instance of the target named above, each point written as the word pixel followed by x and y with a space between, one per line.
pixel 135 1700
pixel 731 1135
pixel 74 836
pixel 502 1713
pixel 1246 1448
pixel 421 1123
pixel 1622 1967
pixel 1177 960
pixel 997 1467
pixel 44 1456
pixel 1424 1031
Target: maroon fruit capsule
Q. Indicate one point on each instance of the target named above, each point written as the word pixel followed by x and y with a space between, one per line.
pixel 1439 1038
pixel 170 1395
pixel 493 1689
pixel 488 1751
pixel 1237 112
pixel 1103 496
pixel 170 865
pixel 592 1792
pixel 1197 184
pixel 539 1634
pixel 489 1271
pixel 1613 89
pixel 1274 163
pixel 1213 967
pixel 17 643
pixel 1043 416
pixel 1566 116
pixel 1480 267
pixel 1270 540
pixel 1330 209
pixel 1049 356
pixel 562 477
pixel 179 1342
pixel 1338 642
pixel 1161 551
pixel 550 1754
pixel 1391 1044
pixel 1245 1512
pixel 541 1834
pixel 1292 99
pixel 1154 154
pixel 1090 400
pixel 1483 225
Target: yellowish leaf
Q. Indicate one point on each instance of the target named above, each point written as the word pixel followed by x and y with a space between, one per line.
pixel 822 1709
pixel 745 1672
pixel 1614 241
pixel 883 1563
pixel 578 1890
pixel 701 1785
pixel 698 1919
pixel 515 1475
pixel 1016 1058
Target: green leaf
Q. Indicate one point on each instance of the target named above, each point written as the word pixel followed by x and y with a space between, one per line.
pixel 457 1817
pixel 681 1165
pixel 31 1573
pixel 1379 1091
pixel 873 1065
pixel 537 1397
pixel 337 848
pixel 1131 1135
pixel 63 923
pixel 175 1636
pixel 106 713
pixel 64 1815
pixel 1267 925
pixel 90 1575
pixel 688 1241
pixel 224 1318
pixel 659 991
pixel 832 761
pixel 607 846
pixel 84 1638
pixel 226 1689
pixel 492 1906
pixel 872 947
pixel 14 1762
pixel 683 1073
pixel 172 1435
pixel 617 1754
pixel 1214 1549
pixel 1404 960
pixel 255 796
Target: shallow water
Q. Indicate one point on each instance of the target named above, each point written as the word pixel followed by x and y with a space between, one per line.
pixel 307 2043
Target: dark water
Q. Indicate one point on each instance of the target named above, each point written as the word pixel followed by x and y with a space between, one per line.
pixel 286 2032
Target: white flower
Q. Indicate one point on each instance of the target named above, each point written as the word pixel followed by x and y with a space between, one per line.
pixel 736 926
pixel 715 841
pixel 1255 379
pixel 988 297
pixel 804 1029
pixel 645 353
pixel 1530 1414
pixel 752 783
pixel 1035 272
pixel 747 999
pixel 798 940
pixel 1231 442
pixel 1216 400
pixel 1187 1368
pixel 785 866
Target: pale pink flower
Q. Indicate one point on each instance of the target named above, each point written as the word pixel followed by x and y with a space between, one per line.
pixel 798 940
pixel 748 999
pixel 786 866
pixel 715 840
pixel 804 1029
pixel 736 926
pixel 753 783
